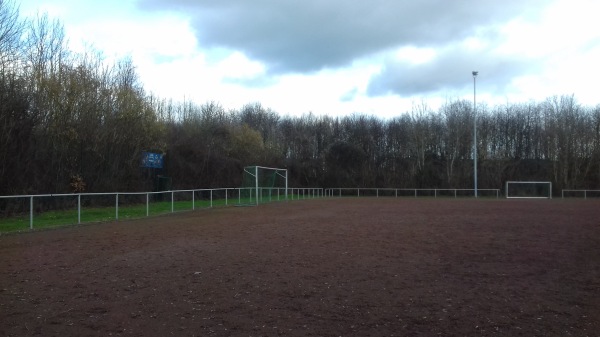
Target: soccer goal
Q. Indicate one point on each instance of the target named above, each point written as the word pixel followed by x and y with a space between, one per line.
pixel 529 189
pixel 263 184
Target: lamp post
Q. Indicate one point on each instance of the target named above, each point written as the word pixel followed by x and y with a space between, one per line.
pixel 475 73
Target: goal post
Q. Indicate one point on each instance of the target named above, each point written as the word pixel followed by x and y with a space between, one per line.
pixel 528 190
pixel 263 184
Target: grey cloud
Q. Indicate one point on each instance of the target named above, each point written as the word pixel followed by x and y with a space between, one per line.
pixel 309 35
pixel 450 70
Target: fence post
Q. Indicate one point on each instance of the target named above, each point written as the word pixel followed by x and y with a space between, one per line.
pixel 226 197
pixel 211 204
pixel 79 208
pixel 172 202
pixel 147 204
pixel 117 206
pixel 193 200
pixel 31 212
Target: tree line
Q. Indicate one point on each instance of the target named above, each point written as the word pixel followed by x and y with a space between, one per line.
pixel 75 122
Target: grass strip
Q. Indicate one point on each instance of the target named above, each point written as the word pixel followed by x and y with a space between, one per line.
pixel 59 218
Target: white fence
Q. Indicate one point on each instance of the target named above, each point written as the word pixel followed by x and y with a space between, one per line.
pixel 205 198
pixel 182 200
pixel 580 193
pixel 411 192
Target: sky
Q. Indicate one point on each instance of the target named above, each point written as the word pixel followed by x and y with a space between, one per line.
pixel 339 57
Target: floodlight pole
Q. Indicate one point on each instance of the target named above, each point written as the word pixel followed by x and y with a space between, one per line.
pixel 475 131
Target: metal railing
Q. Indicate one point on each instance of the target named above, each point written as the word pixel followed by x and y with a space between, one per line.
pixel 584 193
pixel 410 192
pixel 190 199
pixel 184 200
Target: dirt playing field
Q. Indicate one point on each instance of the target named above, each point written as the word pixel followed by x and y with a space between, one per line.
pixel 334 267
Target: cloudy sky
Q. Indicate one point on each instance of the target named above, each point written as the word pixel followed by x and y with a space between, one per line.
pixel 338 57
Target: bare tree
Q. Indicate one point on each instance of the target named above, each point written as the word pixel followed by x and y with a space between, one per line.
pixel 11 31
pixel 457 131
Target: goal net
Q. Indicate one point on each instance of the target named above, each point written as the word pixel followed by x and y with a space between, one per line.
pixel 263 184
pixel 529 189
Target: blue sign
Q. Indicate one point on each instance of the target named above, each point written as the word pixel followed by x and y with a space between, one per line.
pixel 152 160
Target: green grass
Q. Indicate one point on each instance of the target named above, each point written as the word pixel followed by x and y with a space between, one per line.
pixel 60 218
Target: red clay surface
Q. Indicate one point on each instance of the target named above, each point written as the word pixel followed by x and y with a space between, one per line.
pixel 338 267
